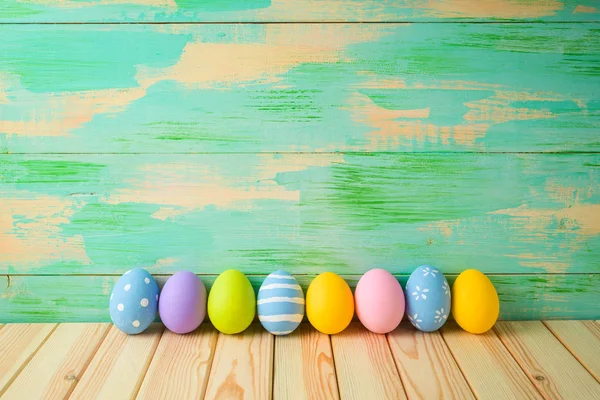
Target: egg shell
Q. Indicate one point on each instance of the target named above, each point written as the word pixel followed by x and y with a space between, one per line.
pixel 427 298
pixel 379 301
pixel 475 302
pixel 134 301
pixel 280 303
pixel 231 302
pixel 329 303
pixel 182 304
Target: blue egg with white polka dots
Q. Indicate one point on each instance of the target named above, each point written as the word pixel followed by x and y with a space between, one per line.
pixel 134 301
pixel 280 303
pixel 427 298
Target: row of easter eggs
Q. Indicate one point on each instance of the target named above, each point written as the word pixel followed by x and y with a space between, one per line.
pixel 379 302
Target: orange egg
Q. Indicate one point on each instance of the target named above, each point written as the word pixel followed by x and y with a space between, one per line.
pixel 329 303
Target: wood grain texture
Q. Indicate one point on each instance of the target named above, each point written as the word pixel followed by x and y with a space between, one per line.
pixel 18 343
pixel 59 364
pixel 490 370
pixel 364 365
pixel 426 365
pixel 523 297
pixel 243 366
pixel 299 87
pixel 118 368
pixel 582 339
pixel 180 366
pixel 295 10
pixel 103 214
pixel 303 366
pixel 550 366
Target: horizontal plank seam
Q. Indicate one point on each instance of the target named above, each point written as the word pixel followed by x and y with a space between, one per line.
pixel 22 367
pixel 89 361
pixel 260 274
pixel 336 22
pixel 275 152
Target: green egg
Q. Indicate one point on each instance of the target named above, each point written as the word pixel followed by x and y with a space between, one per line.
pixel 231 302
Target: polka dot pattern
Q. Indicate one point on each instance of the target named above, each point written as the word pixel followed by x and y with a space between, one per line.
pixel 134 301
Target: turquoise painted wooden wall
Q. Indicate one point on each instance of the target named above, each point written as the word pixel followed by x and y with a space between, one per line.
pixel 337 135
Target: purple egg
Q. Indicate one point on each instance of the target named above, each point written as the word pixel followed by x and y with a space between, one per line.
pixel 182 302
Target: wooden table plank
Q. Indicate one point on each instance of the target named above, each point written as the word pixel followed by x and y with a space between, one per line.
pixel 364 365
pixel 295 11
pixel 180 366
pixel 243 366
pixel 426 365
pixel 118 369
pixel 18 343
pixel 582 339
pixel 547 363
pixel 303 366
pixel 298 87
pixel 490 370
pixel 59 364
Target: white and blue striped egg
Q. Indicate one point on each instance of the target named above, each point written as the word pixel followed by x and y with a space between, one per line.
pixel 427 298
pixel 280 303
pixel 134 301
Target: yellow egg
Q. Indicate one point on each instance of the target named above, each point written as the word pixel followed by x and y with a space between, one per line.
pixel 329 303
pixel 475 303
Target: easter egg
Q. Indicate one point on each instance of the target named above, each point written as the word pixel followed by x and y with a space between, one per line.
pixel 329 303
pixel 182 304
pixel 280 303
pixel 427 298
pixel 475 303
pixel 379 301
pixel 133 301
pixel 231 302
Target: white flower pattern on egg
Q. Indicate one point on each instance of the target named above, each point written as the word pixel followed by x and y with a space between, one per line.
pixel 446 288
pixel 427 297
pixel 418 293
pixel 440 315
pixel 415 320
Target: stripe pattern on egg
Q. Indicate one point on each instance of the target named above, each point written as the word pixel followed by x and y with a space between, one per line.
pixel 280 303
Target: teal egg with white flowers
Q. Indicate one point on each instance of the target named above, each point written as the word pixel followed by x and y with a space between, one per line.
pixel 280 303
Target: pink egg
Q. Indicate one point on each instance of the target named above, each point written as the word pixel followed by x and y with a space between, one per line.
pixel 379 301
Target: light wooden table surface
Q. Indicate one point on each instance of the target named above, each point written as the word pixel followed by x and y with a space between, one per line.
pixel 533 359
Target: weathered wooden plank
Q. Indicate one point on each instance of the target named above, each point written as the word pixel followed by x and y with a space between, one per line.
pixel 118 368
pixel 299 87
pixel 294 10
pixel 180 366
pixel 487 365
pixel 59 364
pixel 426 365
pixel 243 366
pixel 364 365
pixel 550 366
pixel 303 366
pixel 582 338
pixel 522 297
pixel 18 343
pixel 103 214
